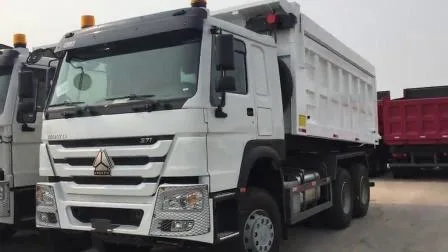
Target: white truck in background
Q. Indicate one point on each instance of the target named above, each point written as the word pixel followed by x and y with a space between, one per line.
pixel 191 127
pixel 19 142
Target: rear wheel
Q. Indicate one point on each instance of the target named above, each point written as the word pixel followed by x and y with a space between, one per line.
pixel 361 190
pixel 339 216
pixel 260 223
pixel 6 232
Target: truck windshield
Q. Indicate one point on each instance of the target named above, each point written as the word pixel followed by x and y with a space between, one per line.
pixel 5 76
pixel 161 67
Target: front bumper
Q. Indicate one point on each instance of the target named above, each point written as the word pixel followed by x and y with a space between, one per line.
pixel 148 223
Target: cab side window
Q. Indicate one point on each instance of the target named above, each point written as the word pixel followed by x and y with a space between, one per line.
pixel 239 73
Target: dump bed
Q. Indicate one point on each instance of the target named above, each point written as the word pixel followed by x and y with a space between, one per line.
pixel 334 88
pixel 415 121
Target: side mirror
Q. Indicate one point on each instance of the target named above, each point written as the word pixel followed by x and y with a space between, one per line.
pixel 224 52
pixel 226 84
pixel 26 86
pixel 26 112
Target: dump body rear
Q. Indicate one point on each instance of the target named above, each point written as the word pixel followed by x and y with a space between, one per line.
pixel 382 97
pixel 381 154
pixel 415 121
pixel 416 130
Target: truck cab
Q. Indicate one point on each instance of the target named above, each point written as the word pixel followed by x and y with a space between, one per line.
pixel 20 140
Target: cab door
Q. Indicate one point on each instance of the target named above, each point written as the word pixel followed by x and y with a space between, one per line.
pixel 26 139
pixel 228 136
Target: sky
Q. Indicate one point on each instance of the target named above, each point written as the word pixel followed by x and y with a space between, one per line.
pixel 406 40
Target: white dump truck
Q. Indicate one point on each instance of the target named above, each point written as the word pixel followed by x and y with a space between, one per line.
pixel 191 127
pixel 19 142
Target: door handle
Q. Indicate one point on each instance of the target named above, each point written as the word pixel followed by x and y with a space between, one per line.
pixel 250 112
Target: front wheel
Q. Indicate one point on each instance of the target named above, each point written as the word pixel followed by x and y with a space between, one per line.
pixel 260 223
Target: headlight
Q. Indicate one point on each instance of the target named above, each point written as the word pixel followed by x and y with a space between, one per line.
pixel 45 196
pixel 183 201
pixel 180 211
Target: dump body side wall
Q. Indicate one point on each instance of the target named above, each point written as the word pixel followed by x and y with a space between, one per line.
pixel 334 95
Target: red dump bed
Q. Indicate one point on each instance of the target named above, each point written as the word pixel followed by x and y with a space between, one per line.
pixel 415 121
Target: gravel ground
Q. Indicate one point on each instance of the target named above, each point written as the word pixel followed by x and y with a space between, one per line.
pixel 405 216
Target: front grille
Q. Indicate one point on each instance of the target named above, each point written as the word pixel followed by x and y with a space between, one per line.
pixel 116 216
pixel 117 161
pixel 104 180
pixel 124 141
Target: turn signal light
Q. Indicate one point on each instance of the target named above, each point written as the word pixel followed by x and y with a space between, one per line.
pixel 87 21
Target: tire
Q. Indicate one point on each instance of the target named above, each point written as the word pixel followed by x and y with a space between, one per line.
pixel 339 216
pixel 260 223
pixel 6 232
pixel 361 190
pixel 58 241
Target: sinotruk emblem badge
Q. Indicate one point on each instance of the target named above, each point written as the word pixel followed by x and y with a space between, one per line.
pixel 103 164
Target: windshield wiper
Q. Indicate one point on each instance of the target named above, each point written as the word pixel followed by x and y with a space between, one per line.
pixel 78 111
pixel 130 97
pixel 66 103
pixel 150 104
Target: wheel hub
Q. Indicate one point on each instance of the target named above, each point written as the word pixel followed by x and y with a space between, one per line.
pixel 258 232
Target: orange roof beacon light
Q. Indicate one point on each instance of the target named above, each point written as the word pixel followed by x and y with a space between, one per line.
pixel 199 3
pixel 19 40
pixel 87 21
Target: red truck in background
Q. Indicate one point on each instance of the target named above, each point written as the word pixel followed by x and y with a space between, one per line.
pixel 414 130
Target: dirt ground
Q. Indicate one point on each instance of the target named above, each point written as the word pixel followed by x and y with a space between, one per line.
pixel 405 216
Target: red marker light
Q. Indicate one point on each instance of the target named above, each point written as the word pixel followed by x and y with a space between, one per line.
pixel 271 19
